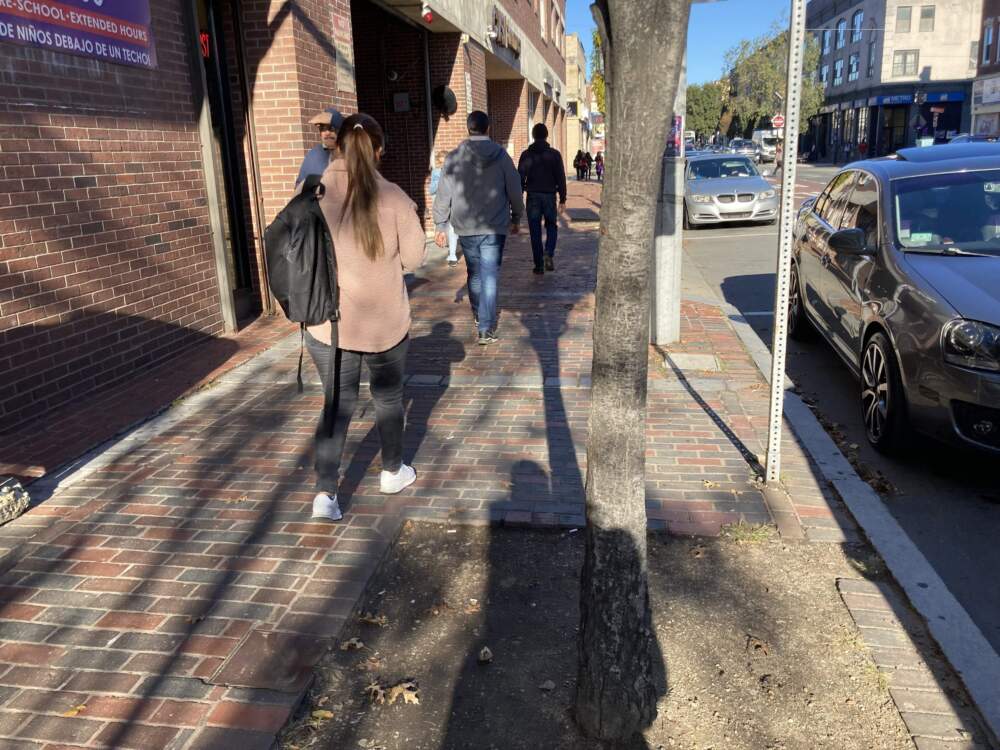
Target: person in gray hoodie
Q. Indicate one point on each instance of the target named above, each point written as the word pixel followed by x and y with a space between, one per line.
pixel 479 193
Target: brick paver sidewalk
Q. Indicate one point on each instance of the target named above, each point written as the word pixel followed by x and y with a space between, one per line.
pixel 175 590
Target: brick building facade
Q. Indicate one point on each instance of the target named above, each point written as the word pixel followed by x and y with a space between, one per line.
pixel 132 199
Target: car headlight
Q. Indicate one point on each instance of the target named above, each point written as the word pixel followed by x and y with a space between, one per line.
pixel 972 344
pixel 767 194
pixel 701 198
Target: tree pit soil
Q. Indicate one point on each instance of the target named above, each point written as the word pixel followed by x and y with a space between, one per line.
pixel 759 651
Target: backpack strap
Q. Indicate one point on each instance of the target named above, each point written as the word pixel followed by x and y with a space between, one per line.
pixel 302 346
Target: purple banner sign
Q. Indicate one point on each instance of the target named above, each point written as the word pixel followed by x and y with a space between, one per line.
pixel 116 31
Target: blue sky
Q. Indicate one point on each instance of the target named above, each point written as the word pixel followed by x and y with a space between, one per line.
pixel 714 28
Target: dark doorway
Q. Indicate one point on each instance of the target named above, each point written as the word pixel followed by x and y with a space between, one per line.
pixel 226 151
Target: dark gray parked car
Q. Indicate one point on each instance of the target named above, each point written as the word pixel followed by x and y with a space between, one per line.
pixel 897 265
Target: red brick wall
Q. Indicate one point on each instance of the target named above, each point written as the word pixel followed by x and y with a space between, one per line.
pixel 509 113
pixel 525 14
pixel 383 44
pixel 106 260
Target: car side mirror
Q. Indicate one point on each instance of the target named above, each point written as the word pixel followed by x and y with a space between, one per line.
pixel 850 242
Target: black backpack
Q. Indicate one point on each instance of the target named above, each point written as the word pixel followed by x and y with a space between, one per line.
pixel 302 266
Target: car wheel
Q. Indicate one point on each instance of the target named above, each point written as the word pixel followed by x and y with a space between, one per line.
pixel 687 222
pixel 799 326
pixel 883 405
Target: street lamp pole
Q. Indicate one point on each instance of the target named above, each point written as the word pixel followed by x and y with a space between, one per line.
pixel 793 98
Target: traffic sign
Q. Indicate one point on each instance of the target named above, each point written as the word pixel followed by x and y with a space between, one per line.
pixel 778 121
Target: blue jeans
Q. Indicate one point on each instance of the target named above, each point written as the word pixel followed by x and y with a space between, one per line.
pixel 539 206
pixel 483 255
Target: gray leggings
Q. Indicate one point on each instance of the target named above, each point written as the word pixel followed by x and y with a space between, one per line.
pixel 385 371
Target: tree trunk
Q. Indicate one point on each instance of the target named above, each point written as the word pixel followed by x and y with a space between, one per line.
pixel 616 692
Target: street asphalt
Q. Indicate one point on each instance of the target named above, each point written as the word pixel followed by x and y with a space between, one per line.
pixel 947 500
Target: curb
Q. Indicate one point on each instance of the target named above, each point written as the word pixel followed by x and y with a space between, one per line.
pixel 961 641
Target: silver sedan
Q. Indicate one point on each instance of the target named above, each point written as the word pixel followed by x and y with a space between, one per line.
pixel 720 188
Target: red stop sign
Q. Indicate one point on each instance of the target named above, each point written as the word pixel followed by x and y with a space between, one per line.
pixel 778 121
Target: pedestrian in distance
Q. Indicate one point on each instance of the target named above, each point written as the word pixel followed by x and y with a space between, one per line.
pixel 452 237
pixel 543 176
pixel 318 158
pixel 377 237
pixel 479 193
pixel 779 159
pixel 590 164
pixel 580 164
pixel 599 166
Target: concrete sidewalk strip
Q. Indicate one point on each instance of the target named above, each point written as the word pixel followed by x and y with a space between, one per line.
pixel 931 715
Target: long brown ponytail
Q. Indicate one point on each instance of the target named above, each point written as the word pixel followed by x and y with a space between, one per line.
pixel 360 139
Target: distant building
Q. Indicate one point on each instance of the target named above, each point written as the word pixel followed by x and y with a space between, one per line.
pixel 894 72
pixel 577 100
pixel 596 126
pixel 986 89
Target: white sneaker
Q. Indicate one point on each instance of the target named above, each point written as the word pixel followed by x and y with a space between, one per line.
pixel 393 482
pixel 326 508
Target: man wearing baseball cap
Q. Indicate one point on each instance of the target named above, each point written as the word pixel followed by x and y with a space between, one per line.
pixel 327 122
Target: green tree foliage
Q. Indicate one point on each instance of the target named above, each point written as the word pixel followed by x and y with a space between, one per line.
pixel 705 103
pixel 757 78
pixel 597 71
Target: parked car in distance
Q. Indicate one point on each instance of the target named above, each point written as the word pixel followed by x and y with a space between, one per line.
pixel 720 188
pixel 897 265
pixel 969 138
pixel 743 147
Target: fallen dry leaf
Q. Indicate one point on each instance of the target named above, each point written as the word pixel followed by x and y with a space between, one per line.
pixel 370 618
pixel 407 689
pixel 232 501
pixel 757 646
pixel 698 550
pixel 709 484
pixel 375 693
pixel 353 644
pixel 371 664
pixel 485 655
pixel 75 711
pixel 322 715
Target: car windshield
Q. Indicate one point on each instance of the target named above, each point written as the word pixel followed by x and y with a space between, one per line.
pixel 710 169
pixel 955 213
pixel 770 141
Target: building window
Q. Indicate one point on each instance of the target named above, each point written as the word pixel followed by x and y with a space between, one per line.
pixel 987 43
pixel 824 75
pixel 571 110
pixel 541 18
pixel 871 59
pixel 827 39
pixel 973 55
pixel 903 19
pixel 857 21
pixel 841 33
pixel 863 125
pixel 927 18
pixel 838 72
pixel 853 67
pixel 904 62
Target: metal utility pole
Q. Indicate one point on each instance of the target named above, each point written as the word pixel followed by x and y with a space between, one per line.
pixel 665 279
pixel 793 98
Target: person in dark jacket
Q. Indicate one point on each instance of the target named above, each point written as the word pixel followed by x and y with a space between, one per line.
pixel 542 176
pixel 590 163
pixel 327 123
